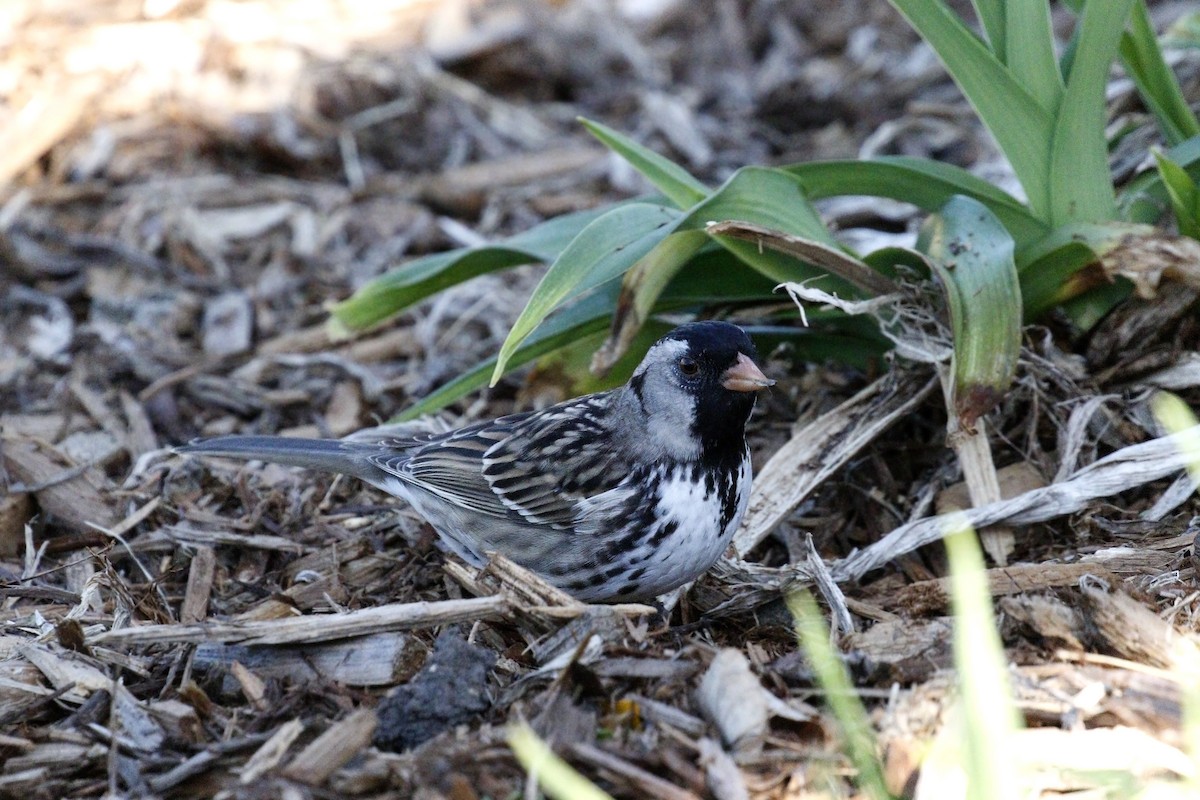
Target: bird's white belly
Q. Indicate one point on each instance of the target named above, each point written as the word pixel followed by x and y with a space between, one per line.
pixel 700 538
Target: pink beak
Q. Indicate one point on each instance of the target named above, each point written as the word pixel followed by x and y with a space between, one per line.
pixel 745 376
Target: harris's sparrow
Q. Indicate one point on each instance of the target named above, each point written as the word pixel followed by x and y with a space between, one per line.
pixel 619 495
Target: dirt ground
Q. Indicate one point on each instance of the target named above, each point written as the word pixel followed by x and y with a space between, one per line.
pixel 186 185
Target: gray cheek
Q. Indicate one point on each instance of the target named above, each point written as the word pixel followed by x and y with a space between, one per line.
pixel 670 426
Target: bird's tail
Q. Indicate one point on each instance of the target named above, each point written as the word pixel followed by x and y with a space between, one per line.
pixel 327 455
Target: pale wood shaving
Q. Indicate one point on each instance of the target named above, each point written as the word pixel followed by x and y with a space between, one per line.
pixel 1129 467
pixel 332 749
pixel 313 628
pixel 820 449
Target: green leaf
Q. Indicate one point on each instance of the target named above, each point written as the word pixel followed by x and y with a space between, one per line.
pixel 992 19
pixel 770 198
pixel 834 679
pixel 1183 192
pixel 1086 310
pixel 712 280
pixel 421 277
pixel 1051 270
pixel 1145 198
pixel 1042 284
pixel 924 183
pixel 1029 50
pixel 1156 83
pixel 991 719
pixel 558 778
pixel 835 260
pixel 640 290
pixel 603 250
pixel 1080 183
pixel 972 254
pixel 668 177
pixel 1020 125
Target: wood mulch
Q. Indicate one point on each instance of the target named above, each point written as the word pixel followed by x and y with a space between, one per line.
pixel 187 185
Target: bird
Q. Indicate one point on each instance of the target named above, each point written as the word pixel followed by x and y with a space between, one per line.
pixel 617 496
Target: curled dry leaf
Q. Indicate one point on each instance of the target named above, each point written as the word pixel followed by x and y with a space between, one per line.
pixel 732 699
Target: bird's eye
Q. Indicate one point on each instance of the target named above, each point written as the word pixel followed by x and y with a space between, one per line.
pixel 688 366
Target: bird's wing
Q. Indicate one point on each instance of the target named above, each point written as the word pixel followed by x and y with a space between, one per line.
pixel 542 466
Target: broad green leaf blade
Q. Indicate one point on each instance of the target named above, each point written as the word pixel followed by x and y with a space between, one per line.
pixel 585 317
pixel 640 290
pixel 1143 60
pixel 819 254
pixel 668 177
pixel 603 250
pixel 715 278
pixel 924 183
pixel 1019 124
pixel 768 197
pixel 995 26
pixel 417 279
pixel 1183 192
pixel 973 257
pixel 1080 183
pixel 1029 51
pixel 1050 270
pixel 1086 310
pixel 1043 285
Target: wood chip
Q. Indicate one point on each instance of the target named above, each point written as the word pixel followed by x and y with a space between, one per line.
pixel 65 669
pixel 201 573
pixel 63 489
pixel 380 659
pixel 179 720
pixel 253 686
pixel 1137 633
pixel 933 596
pixel 1053 620
pixel 721 772
pixel 333 748
pixel 140 437
pixel 16 509
pixel 267 757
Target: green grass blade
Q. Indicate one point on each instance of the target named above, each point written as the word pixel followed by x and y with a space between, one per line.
pixel 421 277
pixel 676 183
pixel 1080 183
pixel 603 250
pixel 1020 125
pixel 972 254
pixel 1143 60
pixel 839 694
pixel 1029 51
pixel 1179 421
pixel 1145 199
pixel 1183 193
pixel 559 780
pixel 926 184
pixel 990 714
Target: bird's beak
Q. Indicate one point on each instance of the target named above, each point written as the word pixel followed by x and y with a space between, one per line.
pixel 745 376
